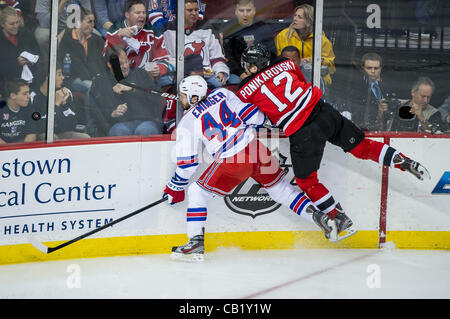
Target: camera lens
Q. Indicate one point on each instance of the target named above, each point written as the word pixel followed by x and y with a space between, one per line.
pixel 405 114
pixel 36 116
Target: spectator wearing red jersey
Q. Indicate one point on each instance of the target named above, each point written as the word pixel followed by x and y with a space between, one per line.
pixel 144 48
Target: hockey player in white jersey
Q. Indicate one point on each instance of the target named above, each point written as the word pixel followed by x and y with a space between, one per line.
pixel 225 126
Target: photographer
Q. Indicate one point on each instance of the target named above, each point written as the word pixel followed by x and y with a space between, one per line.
pixel 416 114
pixel 369 97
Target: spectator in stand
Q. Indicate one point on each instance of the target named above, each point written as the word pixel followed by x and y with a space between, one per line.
pixel 416 114
pixel 161 12
pixel 24 9
pixel 67 18
pixel 370 100
pixel 16 6
pixel 85 49
pixel 300 34
pixel 200 40
pixel 107 13
pixel 67 12
pixel 19 51
pixel 145 50
pixel 16 123
pixel 65 119
pixel 291 52
pixel 242 32
pixel 121 110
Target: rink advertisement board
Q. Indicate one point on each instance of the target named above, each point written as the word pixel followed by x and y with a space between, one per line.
pixel 56 193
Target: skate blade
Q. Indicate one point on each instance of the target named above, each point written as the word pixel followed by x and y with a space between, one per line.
pixel 343 234
pixel 196 258
pixel 424 174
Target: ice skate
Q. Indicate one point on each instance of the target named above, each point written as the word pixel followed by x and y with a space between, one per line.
pixel 325 223
pixel 344 226
pixel 194 250
pixel 406 164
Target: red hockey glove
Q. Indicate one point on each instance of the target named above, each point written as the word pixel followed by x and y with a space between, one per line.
pixel 173 196
pixel 174 190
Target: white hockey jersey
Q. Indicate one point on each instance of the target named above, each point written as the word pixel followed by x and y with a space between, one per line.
pixel 222 122
pixel 201 42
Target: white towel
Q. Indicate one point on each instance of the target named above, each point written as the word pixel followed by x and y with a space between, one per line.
pixel 30 57
pixel 26 74
pixel 132 43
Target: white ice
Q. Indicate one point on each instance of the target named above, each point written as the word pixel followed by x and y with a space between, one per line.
pixel 239 274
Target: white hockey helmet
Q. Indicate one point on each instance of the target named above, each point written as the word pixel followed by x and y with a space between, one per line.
pixel 194 85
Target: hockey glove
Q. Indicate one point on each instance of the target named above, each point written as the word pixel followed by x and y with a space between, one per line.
pixel 173 196
pixel 174 190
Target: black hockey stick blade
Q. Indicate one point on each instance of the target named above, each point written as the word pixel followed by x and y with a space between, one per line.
pixel 46 250
pixel 118 75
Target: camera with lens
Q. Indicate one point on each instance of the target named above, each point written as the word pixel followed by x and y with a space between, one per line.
pixel 399 116
pixel 395 107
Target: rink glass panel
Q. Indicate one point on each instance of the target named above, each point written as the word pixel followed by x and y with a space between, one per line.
pixel 412 41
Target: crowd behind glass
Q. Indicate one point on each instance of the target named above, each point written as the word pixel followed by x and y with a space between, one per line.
pixel 98 38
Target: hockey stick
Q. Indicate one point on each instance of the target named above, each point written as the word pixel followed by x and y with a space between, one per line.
pixel 46 250
pixel 118 75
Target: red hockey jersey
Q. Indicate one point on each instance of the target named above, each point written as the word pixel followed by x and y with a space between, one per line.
pixel 282 93
pixel 143 47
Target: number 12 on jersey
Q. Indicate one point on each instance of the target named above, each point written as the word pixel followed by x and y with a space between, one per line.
pixel 288 94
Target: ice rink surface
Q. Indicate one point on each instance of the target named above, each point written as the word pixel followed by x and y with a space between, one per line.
pixel 386 273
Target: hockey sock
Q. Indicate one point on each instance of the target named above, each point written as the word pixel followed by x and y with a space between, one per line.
pixel 317 192
pixel 197 212
pixel 375 151
pixel 283 193
pixel 196 220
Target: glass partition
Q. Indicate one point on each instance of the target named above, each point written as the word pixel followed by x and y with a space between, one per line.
pixel 112 67
pixel 114 61
pixel 385 64
pixel 392 63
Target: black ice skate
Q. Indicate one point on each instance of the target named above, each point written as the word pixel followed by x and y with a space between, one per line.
pixel 325 223
pixel 194 250
pixel 415 168
pixel 344 226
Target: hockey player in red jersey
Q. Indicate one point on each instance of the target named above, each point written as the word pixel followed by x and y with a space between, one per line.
pixel 223 124
pixel 280 90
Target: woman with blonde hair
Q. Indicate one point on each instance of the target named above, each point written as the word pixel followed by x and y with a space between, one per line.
pixel 300 34
pixel 19 51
